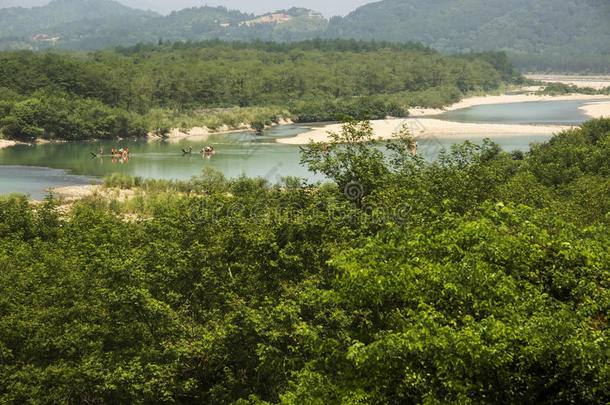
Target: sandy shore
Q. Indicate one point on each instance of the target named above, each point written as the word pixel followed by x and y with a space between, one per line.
pixel 176 134
pixel 502 99
pixel 5 144
pixel 76 191
pixel 71 193
pixel 597 110
pixel 384 129
pixel 595 82
pixel 435 127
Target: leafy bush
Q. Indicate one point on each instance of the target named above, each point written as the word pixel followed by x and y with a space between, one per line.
pixel 54 116
pixel 319 110
pixel 121 181
pixel 479 278
pixel 557 89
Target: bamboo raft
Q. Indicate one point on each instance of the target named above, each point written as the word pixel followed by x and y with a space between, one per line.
pixel 111 155
pixel 192 152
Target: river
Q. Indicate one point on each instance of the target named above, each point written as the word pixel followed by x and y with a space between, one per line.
pixel 33 169
pixel 564 112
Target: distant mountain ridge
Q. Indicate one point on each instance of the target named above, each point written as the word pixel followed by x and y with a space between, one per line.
pixel 544 28
pixel 18 21
pixel 94 24
pixel 539 35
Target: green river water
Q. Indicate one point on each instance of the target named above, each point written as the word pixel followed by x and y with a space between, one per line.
pixel 33 169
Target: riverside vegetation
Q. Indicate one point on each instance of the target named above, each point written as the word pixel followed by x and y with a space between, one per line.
pixel 482 277
pixel 559 89
pixel 127 92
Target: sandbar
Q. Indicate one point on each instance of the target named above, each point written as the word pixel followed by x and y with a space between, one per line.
pixel 4 143
pixel 597 110
pixel 596 82
pixel 502 99
pixel 384 129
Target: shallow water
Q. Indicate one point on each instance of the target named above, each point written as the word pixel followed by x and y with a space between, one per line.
pixel 237 154
pixel 35 180
pixel 533 112
pixel 27 169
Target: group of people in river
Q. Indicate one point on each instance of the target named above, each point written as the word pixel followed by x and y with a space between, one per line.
pixel 206 151
pixel 116 152
pixel 121 152
pixel 121 155
pixel 118 155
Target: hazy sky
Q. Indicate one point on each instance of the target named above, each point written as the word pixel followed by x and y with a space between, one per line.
pixel 328 7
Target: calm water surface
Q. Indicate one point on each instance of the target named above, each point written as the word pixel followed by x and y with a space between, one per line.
pixel 534 112
pixel 33 169
pixel 35 180
pixel 237 154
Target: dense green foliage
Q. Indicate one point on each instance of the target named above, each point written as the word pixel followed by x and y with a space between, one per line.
pixel 60 116
pixel 538 35
pixel 103 94
pixel 482 277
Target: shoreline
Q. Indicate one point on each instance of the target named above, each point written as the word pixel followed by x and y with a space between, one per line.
pixel 176 134
pixel 419 127
pixel 78 192
pixel 597 109
pixel 4 143
pixel 421 121
pixel 597 82
pixel 503 99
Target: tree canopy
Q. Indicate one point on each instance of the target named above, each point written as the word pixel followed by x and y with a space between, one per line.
pixel 111 93
pixel 482 277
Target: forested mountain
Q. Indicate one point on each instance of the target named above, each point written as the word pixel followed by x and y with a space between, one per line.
pixel 18 21
pixel 538 35
pixel 565 34
pixel 96 24
pixel 204 23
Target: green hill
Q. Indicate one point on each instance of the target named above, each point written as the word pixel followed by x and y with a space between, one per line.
pixel 95 24
pixel 18 21
pixel 538 34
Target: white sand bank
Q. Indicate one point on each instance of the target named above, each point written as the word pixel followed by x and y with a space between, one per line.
pixel 384 129
pixel 597 110
pixel 502 99
pixel 78 192
pixel 5 143
pixel 429 126
pixel 176 134
pixel 595 82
